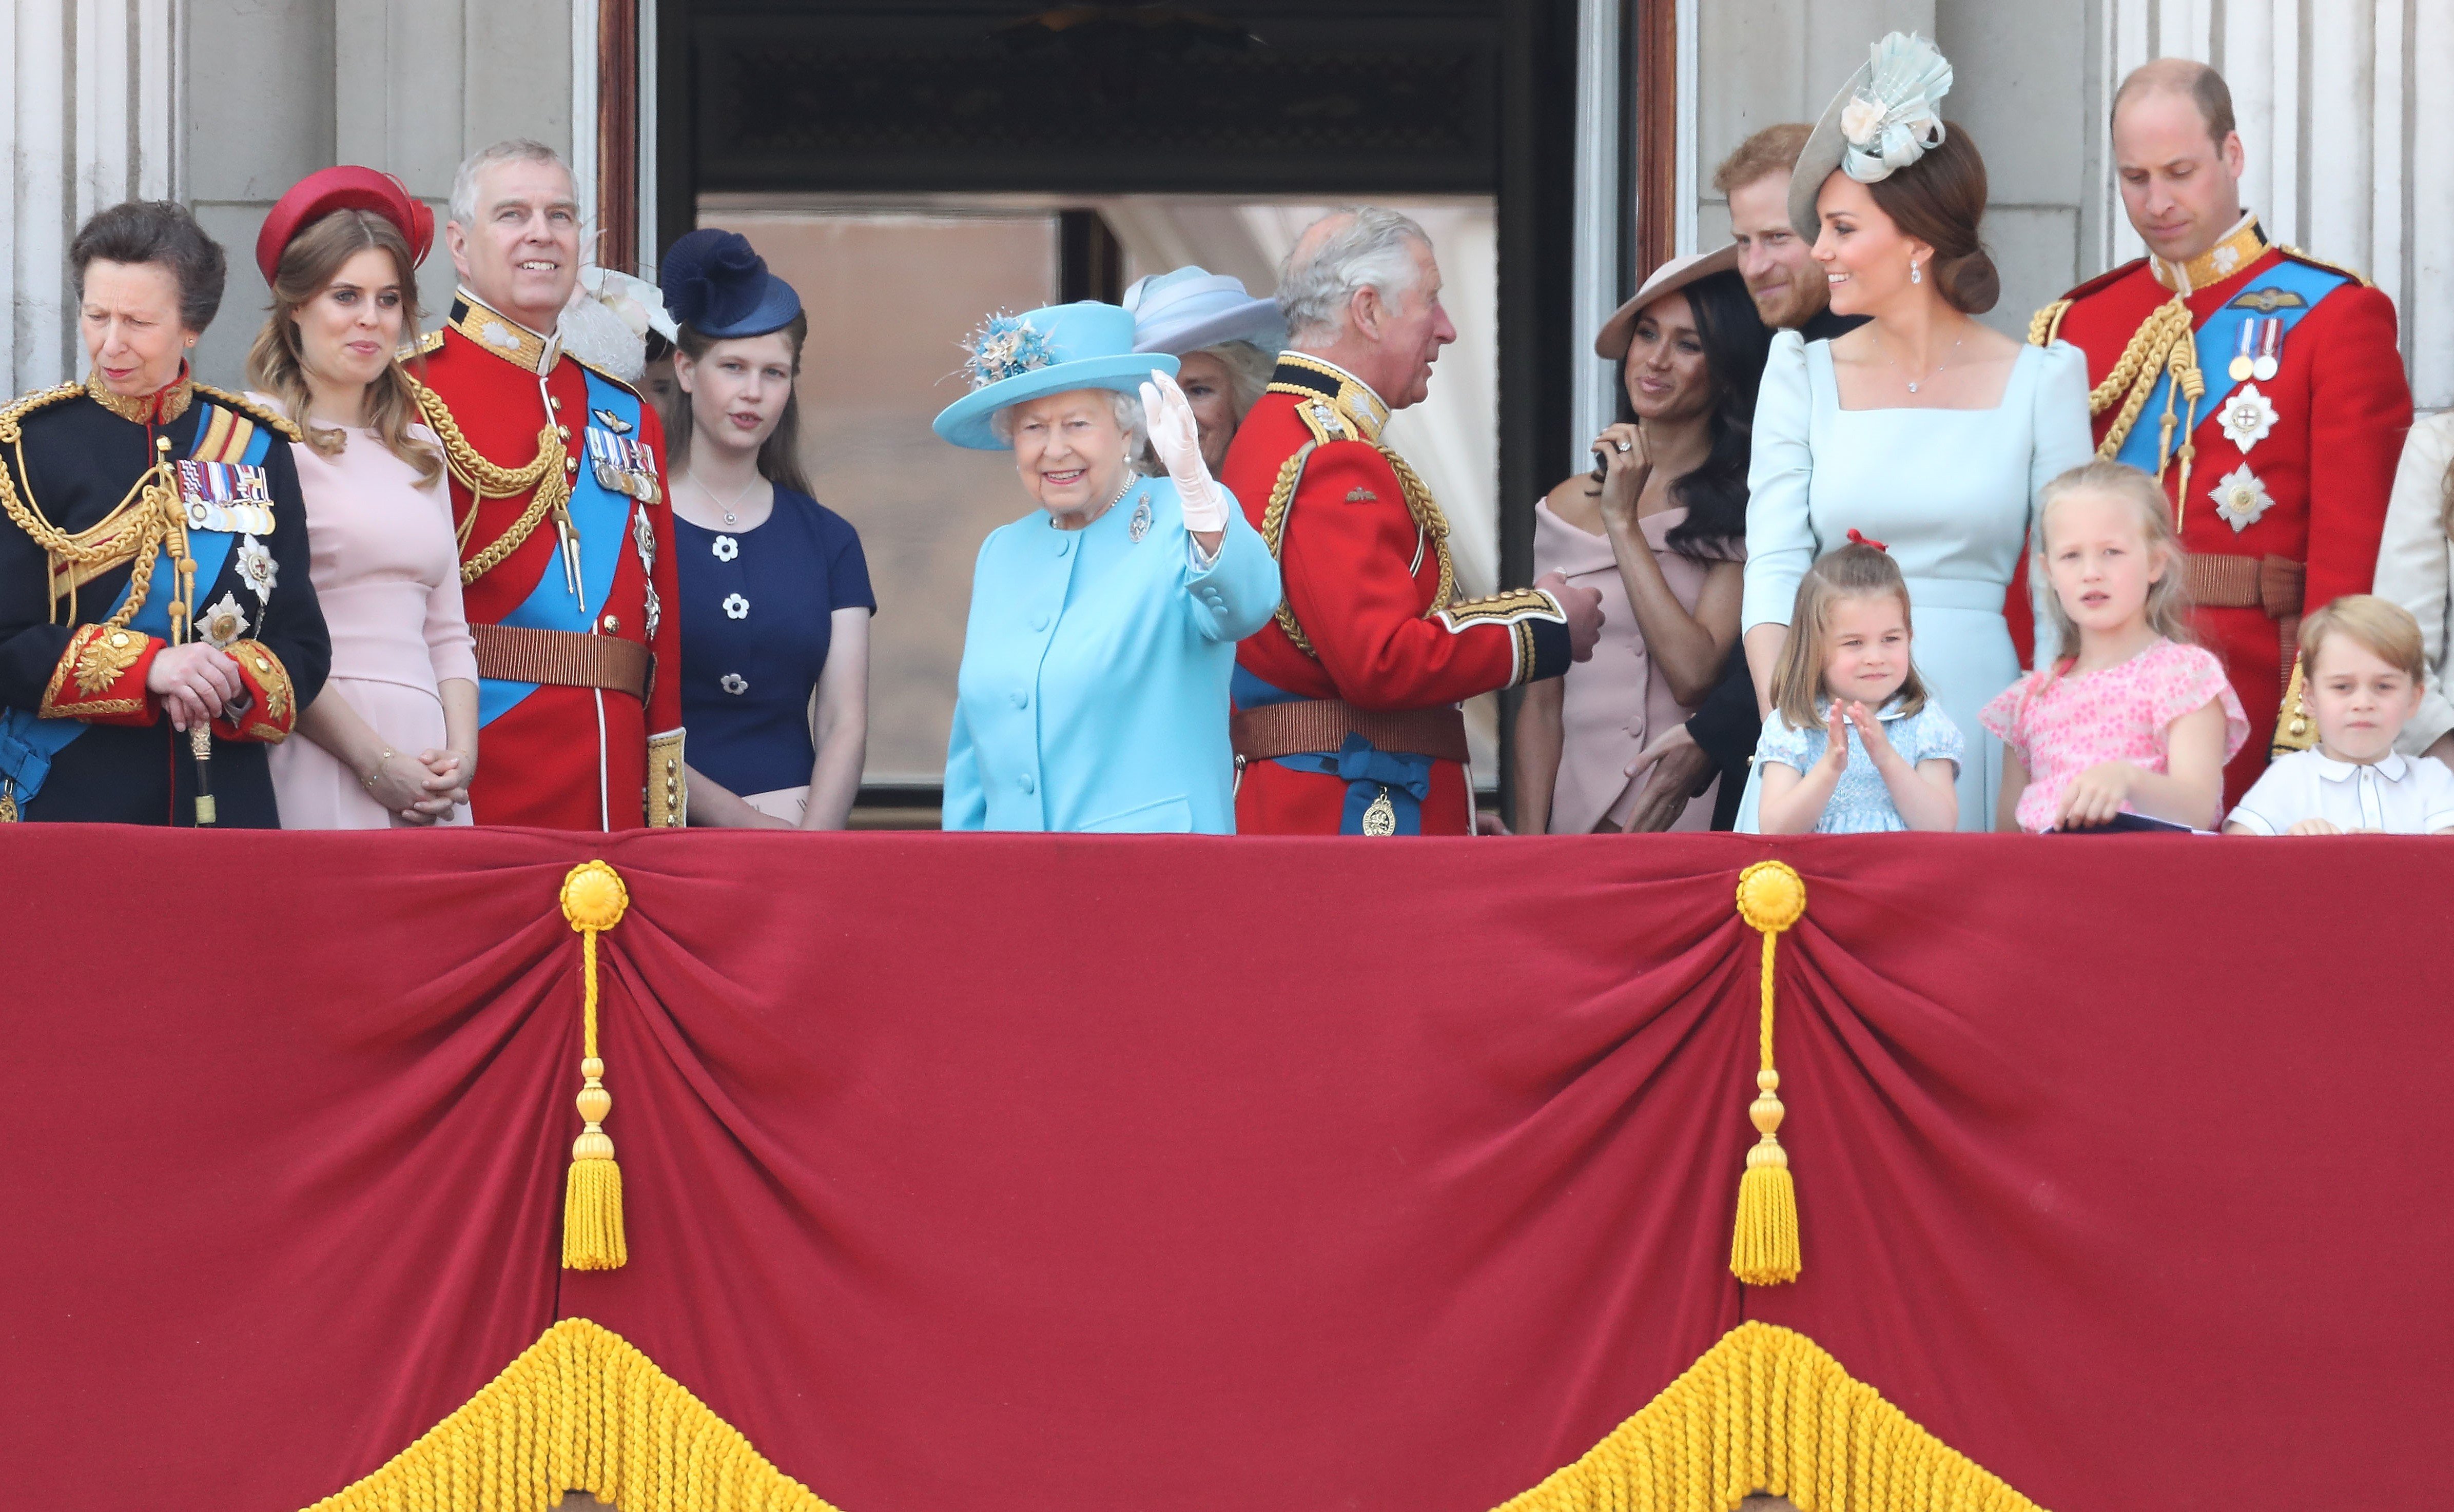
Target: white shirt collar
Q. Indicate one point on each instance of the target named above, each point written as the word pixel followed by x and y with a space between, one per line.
pixel 2391 767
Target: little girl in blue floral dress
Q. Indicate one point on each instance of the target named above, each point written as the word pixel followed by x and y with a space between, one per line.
pixel 1854 745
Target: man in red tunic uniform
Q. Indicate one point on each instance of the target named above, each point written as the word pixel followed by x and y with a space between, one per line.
pixel 566 544
pixel 1346 706
pixel 2261 386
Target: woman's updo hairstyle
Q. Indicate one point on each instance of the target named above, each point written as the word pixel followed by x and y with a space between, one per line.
pixel 1939 199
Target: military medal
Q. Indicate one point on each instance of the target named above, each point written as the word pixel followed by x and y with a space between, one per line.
pixel 2240 498
pixel 2248 417
pixel 1381 817
pixel 2271 346
pixel 2243 365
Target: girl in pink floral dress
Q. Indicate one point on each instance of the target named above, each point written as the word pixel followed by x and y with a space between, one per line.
pixel 2130 718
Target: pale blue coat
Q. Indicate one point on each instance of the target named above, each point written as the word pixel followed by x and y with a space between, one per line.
pixel 1092 695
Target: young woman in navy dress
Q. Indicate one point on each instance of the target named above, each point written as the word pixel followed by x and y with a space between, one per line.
pixel 776 595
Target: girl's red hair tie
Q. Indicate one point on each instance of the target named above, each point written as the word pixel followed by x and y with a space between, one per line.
pixel 1856 539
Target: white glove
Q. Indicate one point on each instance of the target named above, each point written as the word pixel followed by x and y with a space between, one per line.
pixel 1177 437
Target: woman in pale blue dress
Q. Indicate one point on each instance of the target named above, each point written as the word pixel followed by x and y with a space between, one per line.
pixel 1922 428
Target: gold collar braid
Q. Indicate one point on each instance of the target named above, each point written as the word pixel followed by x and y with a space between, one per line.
pixel 483 479
pixel 156 519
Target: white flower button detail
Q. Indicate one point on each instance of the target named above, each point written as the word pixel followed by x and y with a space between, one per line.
pixel 726 548
pixel 256 567
pixel 735 607
pixel 2240 498
pixel 2248 417
pixel 734 682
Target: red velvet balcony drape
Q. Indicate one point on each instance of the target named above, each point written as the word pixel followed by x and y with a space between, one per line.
pixel 1046 1173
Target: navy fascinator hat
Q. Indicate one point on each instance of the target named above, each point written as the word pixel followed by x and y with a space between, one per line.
pixel 715 282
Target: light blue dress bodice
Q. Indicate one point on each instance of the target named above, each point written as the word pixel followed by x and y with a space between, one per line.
pixel 1093 692
pixel 1951 493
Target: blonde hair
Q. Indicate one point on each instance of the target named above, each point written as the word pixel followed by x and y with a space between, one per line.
pixel 2385 627
pixel 2168 610
pixel 275 365
pixel 1854 572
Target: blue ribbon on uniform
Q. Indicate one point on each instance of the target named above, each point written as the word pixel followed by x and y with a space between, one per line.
pixel 1369 771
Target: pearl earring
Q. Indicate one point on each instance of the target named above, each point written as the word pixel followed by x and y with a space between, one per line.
pixel 1916 274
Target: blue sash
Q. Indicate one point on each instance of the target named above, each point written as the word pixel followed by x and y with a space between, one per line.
pixel 602 518
pixel 1369 773
pixel 28 742
pixel 2218 340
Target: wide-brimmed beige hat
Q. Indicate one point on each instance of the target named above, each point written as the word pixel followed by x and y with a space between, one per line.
pixel 1888 116
pixel 1612 340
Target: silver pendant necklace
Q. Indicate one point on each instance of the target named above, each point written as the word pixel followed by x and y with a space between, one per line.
pixel 731 519
pixel 1930 376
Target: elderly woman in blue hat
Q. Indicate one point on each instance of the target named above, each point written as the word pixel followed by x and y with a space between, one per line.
pixel 1225 342
pixel 774 589
pixel 1093 691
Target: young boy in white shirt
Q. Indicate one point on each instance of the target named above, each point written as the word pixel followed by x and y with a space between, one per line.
pixel 2362 656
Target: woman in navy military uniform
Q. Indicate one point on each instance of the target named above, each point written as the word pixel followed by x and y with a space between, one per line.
pixel 774 590
pixel 153 580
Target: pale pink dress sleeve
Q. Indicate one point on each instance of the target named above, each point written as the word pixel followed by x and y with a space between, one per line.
pixel 447 641
pixel 2187 678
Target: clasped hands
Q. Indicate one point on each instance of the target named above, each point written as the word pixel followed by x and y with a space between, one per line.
pixel 422 790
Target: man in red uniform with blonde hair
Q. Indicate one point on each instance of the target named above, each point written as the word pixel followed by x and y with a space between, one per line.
pixel 1346 705
pixel 2261 386
pixel 566 542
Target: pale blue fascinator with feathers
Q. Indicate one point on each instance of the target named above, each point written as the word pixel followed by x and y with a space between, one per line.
pixel 1886 117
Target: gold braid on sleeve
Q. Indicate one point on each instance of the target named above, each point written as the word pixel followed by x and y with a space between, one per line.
pixel 1431 525
pixel 485 479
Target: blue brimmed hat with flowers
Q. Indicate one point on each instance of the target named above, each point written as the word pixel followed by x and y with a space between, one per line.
pixel 1888 116
pixel 715 282
pixel 1013 358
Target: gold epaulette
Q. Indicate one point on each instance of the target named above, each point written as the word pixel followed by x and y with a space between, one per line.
pixel 26 404
pixel 2352 273
pixel 2046 326
pixel 428 345
pixel 259 413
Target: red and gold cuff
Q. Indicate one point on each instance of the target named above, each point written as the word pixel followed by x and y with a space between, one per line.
pixel 266 712
pixel 100 678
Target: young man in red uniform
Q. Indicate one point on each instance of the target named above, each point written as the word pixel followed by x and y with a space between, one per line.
pixel 1346 719
pixel 2279 467
pixel 566 543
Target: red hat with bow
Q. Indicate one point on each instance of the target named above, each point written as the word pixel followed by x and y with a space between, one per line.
pixel 346 188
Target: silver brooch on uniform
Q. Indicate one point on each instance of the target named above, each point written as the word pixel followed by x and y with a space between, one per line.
pixel 256 567
pixel 1140 525
pixel 2241 497
pixel 643 532
pixel 655 610
pixel 726 548
pixel 735 607
pixel 222 623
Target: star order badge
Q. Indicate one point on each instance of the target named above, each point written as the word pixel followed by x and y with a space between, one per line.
pixel 2248 417
pixel 2240 498
pixel 224 625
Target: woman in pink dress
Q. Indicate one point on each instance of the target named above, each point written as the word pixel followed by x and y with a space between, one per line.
pixel 1660 528
pixel 393 738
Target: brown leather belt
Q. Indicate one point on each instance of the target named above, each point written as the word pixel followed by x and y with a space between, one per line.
pixel 1310 724
pixel 2222 581
pixel 516 653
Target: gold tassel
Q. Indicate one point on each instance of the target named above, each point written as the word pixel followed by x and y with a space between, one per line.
pixel 594 900
pixel 1764 1245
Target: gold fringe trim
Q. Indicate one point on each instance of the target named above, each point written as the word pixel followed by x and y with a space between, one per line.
pixel 580 1410
pixel 1765 1409
pixel 1763 1242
